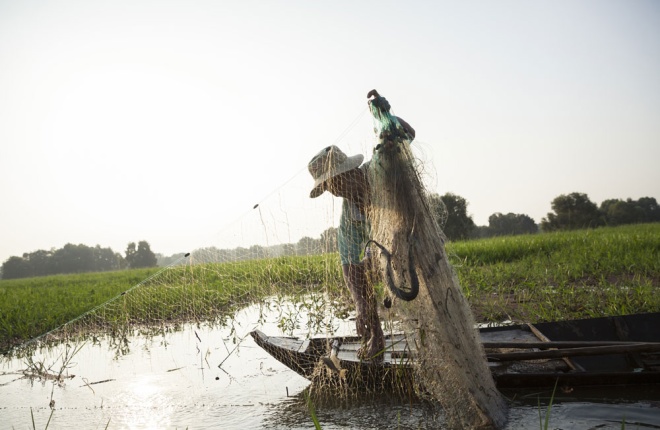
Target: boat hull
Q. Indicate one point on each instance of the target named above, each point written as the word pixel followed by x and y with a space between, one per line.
pixel 607 351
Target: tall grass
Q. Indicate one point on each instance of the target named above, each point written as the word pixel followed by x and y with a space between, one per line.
pixel 532 278
pixel 585 273
pixel 34 306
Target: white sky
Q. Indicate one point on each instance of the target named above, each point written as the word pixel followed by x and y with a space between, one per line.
pixel 165 121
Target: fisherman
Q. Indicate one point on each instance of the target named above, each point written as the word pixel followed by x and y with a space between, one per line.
pixel 347 177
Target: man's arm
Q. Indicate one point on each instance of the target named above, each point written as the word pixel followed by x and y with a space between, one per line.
pixel 407 127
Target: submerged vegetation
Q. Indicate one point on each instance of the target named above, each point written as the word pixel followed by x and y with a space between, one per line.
pixel 542 277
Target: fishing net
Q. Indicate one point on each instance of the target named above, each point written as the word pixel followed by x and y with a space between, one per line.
pixel 286 256
pixel 451 363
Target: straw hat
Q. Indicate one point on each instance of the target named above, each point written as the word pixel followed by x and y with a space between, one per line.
pixel 328 163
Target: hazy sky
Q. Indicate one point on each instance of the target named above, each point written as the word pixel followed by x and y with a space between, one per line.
pixel 165 120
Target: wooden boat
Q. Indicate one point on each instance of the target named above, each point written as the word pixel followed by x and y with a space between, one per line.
pixel 621 350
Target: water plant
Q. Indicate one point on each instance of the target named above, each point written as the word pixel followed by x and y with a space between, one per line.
pixel 543 425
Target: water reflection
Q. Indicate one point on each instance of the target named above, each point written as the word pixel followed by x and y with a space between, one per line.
pixel 216 377
pixel 362 412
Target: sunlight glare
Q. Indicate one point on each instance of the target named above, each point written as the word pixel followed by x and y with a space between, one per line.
pixel 147 407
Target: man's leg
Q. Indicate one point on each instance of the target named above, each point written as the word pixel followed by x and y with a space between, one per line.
pixel 366 304
pixel 351 277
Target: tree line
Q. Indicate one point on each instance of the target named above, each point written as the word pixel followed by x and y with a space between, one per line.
pixel 570 211
pixel 575 211
pixel 78 259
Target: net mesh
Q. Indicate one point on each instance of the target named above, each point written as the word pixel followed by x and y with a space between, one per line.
pixel 301 250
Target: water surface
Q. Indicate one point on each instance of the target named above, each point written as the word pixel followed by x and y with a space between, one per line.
pixel 203 377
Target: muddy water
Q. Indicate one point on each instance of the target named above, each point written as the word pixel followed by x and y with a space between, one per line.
pixel 207 378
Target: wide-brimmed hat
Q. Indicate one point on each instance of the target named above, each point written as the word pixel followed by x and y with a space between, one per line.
pixel 328 163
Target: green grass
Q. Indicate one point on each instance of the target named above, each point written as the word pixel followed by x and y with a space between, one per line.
pixel 551 276
pixel 34 306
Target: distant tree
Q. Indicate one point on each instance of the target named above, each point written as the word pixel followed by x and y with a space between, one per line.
pixel 239 254
pixel 329 240
pixel 16 267
pixel 131 250
pixel 288 249
pixel 650 208
pixel 164 261
pixel 68 259
pixel 40 262
pixel 73 259
pixel 571 212
pixel 257 251
pixel 307 246
pixel 105 259
pixel 140 257
pixel 481 231
pixel 511 224
pixel 211 253
pixel 619 212
pixel 459 225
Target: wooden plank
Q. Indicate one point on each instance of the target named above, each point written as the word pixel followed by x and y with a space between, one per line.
pixel 556 344
pixel 520 380
pixel 544 338
pixel 575 352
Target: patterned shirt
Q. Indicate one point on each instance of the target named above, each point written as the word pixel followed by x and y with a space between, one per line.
pixel 353 232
